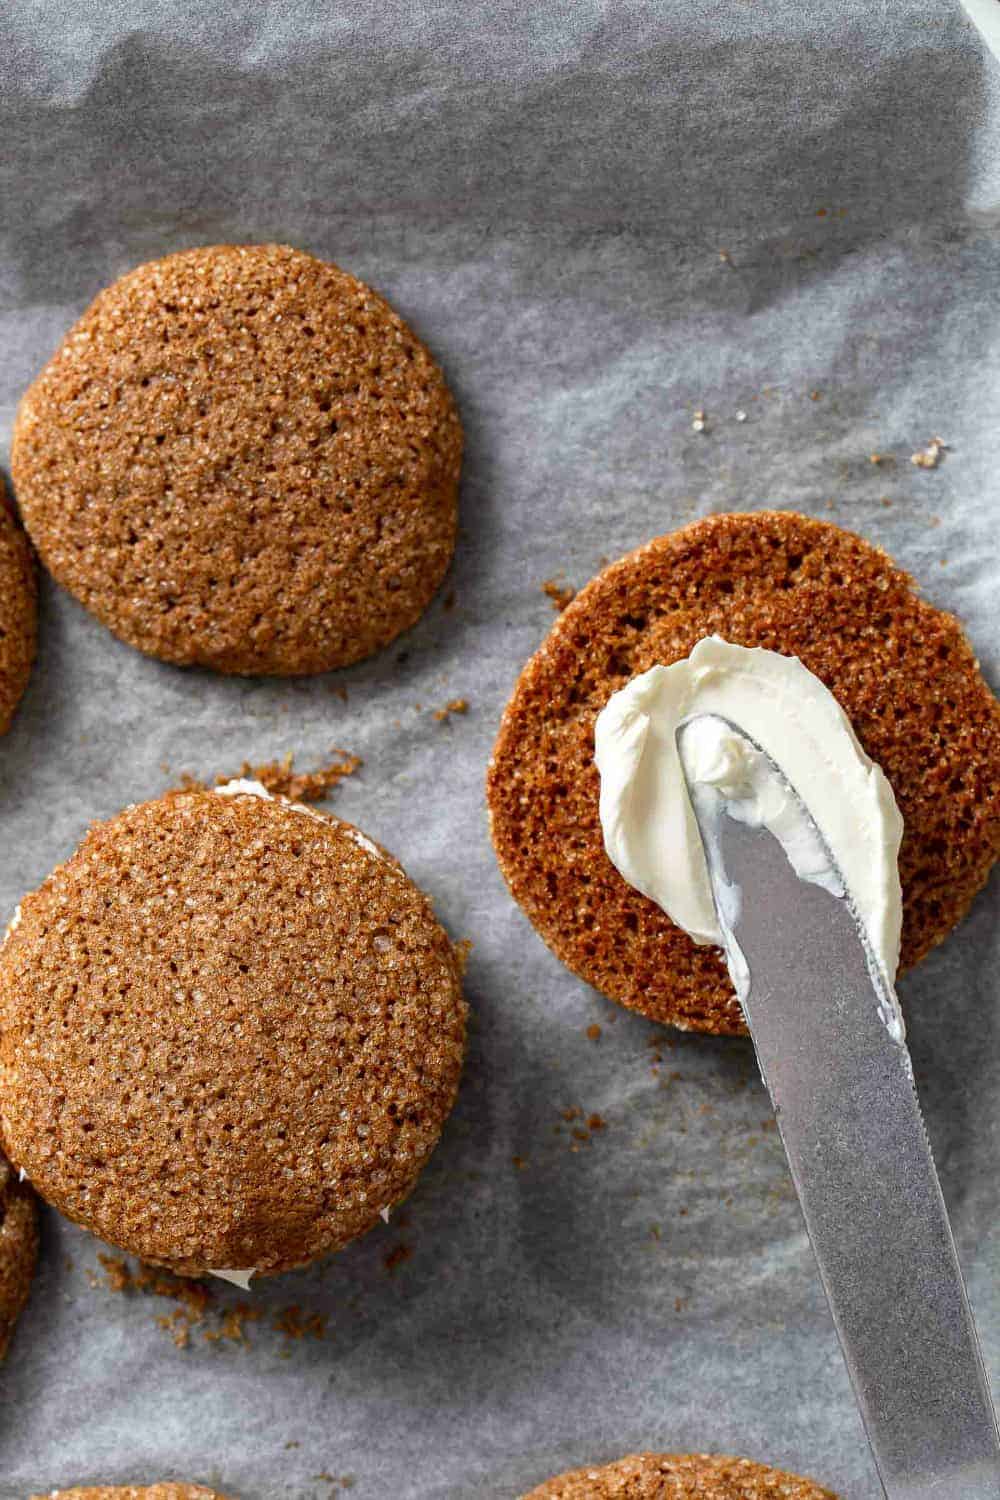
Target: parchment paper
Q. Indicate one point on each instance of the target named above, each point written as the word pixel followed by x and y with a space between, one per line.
pixel 546 193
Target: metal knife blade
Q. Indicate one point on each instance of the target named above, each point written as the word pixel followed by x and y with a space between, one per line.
pixel 849 1117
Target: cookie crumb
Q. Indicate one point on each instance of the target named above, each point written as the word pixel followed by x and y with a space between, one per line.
pixel 596 1122
pixel 397 1256
pixel 881 458
pixel 930 456
pixel 815 395
pixel 594 1032
pixel 699 422
pixel 456 706
pixel 561 594
pixel 462 950
pixel 520 1162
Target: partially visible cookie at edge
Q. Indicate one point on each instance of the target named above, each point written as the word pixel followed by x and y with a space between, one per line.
pixel 241 457
pixel 167 1491
pixel 18 1248
pixel 18 612
pixel 679 1476
pixel 902 670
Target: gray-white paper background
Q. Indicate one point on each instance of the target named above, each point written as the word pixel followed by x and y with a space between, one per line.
pixel 544 191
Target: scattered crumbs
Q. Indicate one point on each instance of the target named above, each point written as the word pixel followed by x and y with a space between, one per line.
pixel 699 422
pixel 815 395
pixel 232 1325
pixel 449 601
pixel 655 1232
pixel 682 1212
pixel 821 213
pixel 571 1114
pixel 680 1303
pixel 594 1032
pixel 278 776
pixel 456 706
pixel 561 594
pixel 884 500
pixel 520 1162
pixel 194 1297
pixel 930 455
pixel 294 1324
pixel 596 1122
pixel 397 1255
pixel 292 1443
pixel 579 1134
pixel 462 949
pixel 177 1326
pixel 725 257
pixel 881 459
pixel 741 415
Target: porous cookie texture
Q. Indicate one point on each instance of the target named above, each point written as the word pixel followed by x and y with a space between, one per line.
pixel 18 612
pixel 241 457
pixel 134 1492
pixel 902 670
pixel 673 1476
pixel 18 1248
pixel 230 1032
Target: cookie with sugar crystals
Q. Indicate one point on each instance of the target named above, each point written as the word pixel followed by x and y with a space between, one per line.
pixel 18 1248
pixel 231 1029
pixel 902 670
pixel 18 612
pixel 674 1476
pixel 241 457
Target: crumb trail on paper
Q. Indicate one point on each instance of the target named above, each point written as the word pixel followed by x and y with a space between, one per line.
pixel 279 777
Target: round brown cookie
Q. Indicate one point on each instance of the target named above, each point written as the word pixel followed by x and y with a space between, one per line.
pixel 18 1248
pixel 18 612
pixel 135 1492
pixel 241 457
pixel 679 1476
pixel 230 1032
pixel 903 671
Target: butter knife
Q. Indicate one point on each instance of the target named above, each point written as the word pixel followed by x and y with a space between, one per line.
pixel 846 1106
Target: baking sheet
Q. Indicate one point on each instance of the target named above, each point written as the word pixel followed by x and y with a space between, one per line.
pixel 546 193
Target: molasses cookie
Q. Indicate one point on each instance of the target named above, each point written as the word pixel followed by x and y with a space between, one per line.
pixel 241 457
pixel 18 612
pixel 902 670
pixel 135 1492
pixel 674 1476
pixel 18 1248
pixel 230 1032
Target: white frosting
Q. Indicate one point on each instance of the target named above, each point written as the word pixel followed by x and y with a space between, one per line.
pixel 241 786
pixel 241 1279
pixel 650 831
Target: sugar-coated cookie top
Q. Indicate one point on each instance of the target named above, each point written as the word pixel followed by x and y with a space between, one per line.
pixel 229 1033
pixel 242 457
